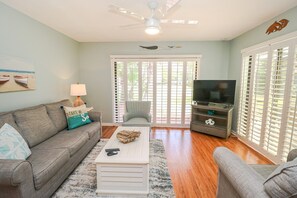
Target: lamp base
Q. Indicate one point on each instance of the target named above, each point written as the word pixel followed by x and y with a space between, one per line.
pixel 78 102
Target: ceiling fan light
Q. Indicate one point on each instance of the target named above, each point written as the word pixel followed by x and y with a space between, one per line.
pixel 152 30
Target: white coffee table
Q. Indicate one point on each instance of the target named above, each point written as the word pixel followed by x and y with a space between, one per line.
pixel 127 173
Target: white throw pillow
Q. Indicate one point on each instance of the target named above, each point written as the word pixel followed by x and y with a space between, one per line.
pixel 12 144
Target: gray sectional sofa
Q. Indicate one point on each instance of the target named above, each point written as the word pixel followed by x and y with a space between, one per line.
pixel 236 179
pixel 55 150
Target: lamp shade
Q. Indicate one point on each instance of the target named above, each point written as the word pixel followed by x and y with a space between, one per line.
pixel 78 90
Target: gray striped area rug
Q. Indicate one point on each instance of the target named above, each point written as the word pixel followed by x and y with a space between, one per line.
pixel 82 181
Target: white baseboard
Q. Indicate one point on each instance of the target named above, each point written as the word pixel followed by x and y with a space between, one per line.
pixel 161 126
pixel 110 124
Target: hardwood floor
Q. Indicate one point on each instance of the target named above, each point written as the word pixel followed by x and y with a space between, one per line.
pixel 190 162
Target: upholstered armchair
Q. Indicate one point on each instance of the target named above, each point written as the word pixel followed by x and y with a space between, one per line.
pixel 236 179
pixel 137 113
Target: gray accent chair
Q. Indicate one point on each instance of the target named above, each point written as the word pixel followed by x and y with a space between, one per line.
pixel 56 151
pixel 137 114
pixel 236 179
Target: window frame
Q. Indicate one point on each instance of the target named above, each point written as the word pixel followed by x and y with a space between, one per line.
pixel 143 58
pixel 290 41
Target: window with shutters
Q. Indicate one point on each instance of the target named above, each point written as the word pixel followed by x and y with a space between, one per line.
pixel 268 98
pixel 165 81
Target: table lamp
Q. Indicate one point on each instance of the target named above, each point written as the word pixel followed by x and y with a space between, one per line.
pixel 78 90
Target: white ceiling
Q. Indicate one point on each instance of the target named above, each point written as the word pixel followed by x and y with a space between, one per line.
pixel 91 20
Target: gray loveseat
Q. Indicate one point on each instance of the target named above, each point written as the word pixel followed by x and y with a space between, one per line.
pixel 55 150
pixel 240 180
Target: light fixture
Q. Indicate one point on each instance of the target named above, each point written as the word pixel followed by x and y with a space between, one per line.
pixel 78 90
pixel 152 30
pixel 152 26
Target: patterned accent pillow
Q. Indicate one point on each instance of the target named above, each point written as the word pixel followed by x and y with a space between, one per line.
pixel 282 182
pixel 12 144
pixel 77 116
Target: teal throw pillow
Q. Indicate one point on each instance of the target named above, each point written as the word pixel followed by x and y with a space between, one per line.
pixel 12 144
pixel 77 116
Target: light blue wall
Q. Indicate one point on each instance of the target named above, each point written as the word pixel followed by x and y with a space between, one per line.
pixel 60 61
pixel 55 58
pixel 250 38
pixel 95 66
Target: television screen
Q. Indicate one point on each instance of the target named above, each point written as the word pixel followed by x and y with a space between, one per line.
pixel 217 91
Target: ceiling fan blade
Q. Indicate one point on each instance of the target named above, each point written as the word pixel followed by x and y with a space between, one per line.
pixel 168 7
pixel 131 26
pixel 170 4
pixel 179 21
pixel 125 12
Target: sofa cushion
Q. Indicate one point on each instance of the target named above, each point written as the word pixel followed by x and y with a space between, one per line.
pixel 77 116
pixel 282 182
pixel 72 141
pixel 12 144
pixel 35 125
pixel 91 129
pixel 137 122
pixel 8 118
pixel 57 113
pixel 46 163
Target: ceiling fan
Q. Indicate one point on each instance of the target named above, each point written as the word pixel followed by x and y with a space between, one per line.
pixel 157 16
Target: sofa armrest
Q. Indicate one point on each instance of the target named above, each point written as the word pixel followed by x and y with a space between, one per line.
pixel 13 172
pixel 149 117
pixel 292 155
pixel 246 181
pixel 95 116
pixel 127 116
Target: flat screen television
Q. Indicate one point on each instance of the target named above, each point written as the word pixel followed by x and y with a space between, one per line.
pixel 217 91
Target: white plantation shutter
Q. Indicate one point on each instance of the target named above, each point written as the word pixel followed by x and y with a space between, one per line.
pixel 161 93
pixel 190 74
pixel 133 80
pixel 119 95
pixel 258 94
pixel 166 82
pixel 276 99
pixel 290 138
pixel 147 85
pixel 243 115
pixel 267 107
pixel 177 70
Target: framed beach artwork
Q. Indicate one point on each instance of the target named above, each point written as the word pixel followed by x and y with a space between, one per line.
pixel 16 74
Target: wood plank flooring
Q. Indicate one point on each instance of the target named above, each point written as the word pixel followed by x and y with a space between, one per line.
pixel 190 162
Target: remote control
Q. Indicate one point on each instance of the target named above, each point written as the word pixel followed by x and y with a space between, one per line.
pixel 112 149
pixel 111 153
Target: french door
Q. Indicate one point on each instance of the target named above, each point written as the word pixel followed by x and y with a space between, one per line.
pixel 267 116
pixel 165 81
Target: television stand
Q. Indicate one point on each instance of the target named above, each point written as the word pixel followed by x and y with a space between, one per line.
pixel 222 117
pixel 201 103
